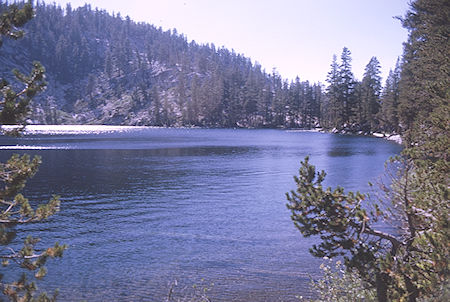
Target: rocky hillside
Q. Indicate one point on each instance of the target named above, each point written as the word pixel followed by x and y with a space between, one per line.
pixel 107 69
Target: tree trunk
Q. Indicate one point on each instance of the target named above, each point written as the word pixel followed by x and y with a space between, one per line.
pixel 413 292
pixel 381 287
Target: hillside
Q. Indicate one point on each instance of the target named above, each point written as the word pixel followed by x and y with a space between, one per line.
pixel 106 69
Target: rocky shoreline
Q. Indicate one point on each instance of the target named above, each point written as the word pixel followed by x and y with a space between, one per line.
pixel 394 137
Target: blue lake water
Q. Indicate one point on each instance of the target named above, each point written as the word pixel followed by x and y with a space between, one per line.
pixel 147 206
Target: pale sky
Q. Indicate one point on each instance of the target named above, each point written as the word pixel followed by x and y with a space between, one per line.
pixel 297 37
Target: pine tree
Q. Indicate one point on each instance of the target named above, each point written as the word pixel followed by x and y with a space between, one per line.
pixel 182 98
pixel 250 98
pixel 335 106
pixel 15 208
pixel 424 113
pixel 13 17
pixel 401 265
pixel 346 88
pixel 108 69
pixel 308 103
pixel 14 106
pixel 193 105
pixel 424 84
pixel 317 104
pixel 294 103
pixel 156 103
pixel 388 115
pixel 370 96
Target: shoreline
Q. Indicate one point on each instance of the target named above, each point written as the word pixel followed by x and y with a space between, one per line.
pixel 85 129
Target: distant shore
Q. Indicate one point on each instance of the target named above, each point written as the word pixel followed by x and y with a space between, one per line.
pixel 79 129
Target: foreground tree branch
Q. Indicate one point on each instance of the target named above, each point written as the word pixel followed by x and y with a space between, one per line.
pixel 14 207
pixel 405 263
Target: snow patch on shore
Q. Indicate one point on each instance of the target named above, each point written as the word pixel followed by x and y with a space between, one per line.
pixel 305 130
pixel 25 147
pixel 378 134
pixel 395 138
pixel 74 129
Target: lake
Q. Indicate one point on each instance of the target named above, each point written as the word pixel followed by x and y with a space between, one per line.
pixel 143 207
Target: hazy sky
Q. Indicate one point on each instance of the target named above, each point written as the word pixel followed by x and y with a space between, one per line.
pixel 297 37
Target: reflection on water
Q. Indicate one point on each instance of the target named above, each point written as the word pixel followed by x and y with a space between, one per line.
pixel 144 207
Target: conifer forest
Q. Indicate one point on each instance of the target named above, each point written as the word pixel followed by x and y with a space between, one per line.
pixel 108 69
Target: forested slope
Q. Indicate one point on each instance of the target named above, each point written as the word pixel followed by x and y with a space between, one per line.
pixel 107 69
